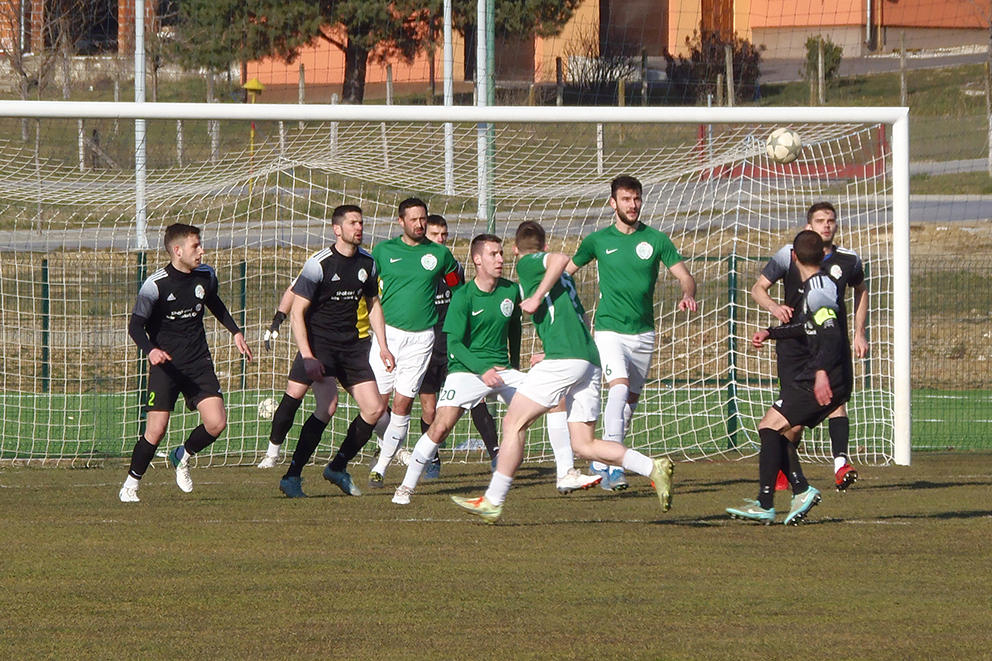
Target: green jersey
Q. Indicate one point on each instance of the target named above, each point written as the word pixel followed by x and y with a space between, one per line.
pixel 559 318
pixel 408 281
pixel 628 270
pixel 483 328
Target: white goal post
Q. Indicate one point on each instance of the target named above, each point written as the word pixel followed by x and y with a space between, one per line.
pixel 265 206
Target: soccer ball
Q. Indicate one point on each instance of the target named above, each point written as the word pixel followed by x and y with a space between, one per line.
pixel 784 145
pixel 266 408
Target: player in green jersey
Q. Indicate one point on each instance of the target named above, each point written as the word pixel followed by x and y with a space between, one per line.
pixel 570 369
pixel 483 332
pixel 629 255
pixel 410 268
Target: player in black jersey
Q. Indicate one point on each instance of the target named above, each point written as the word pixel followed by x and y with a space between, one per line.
pixel 336 304
pixel 844 267
pixel 817 385
pixel 167 324
pixel 437 369
pixel 297 386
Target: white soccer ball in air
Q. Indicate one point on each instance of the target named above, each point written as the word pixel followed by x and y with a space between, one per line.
pixel 784 145
pixel 266 408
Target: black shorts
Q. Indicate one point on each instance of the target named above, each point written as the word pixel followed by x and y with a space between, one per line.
pixel 349 365
pixel 437 372
pixel 298 371
pixel 166 381
pixel 798 404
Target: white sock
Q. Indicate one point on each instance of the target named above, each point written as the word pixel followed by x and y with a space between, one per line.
pixel 598 466
pixel 499 486
pixel 395 434
pixel 423 453
pixel 613 418
pixel 561 443
pixel 638 463
pixel 839 463
pixel 131 483
pixel 273 450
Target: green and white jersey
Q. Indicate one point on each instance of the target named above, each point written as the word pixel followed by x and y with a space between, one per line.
pixel 483 328
pixel 628 270
pixel 408 280
pixel 559 318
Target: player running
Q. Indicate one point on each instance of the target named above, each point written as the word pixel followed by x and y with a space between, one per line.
pixel 483 337
pixel 411 267
pixel 570 369
pixel 337 302
pixel 167 325
pixel 628 255
pixel 844 267
pixel 297 385
pixel 818 383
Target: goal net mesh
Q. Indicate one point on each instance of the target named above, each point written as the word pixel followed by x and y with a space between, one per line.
pixel 72 382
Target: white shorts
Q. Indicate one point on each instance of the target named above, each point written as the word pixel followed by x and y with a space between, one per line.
pixel 412 353
pixel 626 356
pixel 465 390
pixel 576 380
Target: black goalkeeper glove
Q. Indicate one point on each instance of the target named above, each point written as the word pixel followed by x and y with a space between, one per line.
pixel 272 333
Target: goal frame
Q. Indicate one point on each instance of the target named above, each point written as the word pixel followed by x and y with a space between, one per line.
pixel 896 117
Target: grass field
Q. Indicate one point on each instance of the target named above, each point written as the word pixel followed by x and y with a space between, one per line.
pixel 896 568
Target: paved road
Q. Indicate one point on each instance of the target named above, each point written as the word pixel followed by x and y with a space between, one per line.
pixel 787 71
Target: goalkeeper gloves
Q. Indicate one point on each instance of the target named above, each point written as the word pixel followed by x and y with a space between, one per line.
pixel 272 332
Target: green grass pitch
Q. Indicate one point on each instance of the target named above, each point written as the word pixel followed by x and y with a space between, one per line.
pixel 896 568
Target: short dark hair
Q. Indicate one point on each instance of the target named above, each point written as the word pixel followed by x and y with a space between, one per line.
pixel 341 211
pixel 482 239
pixel 820 206
pixel 178 231
pixel 808 246
pixel 411 202
pixel 436 220
pixel 625 182
pixel 531 237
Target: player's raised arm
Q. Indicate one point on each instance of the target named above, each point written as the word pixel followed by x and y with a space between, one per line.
pixel 554 266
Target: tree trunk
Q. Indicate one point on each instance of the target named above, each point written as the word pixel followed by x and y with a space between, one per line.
pixel 355 64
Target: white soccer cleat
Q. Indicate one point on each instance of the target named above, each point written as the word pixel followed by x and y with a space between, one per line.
pixel 183 479
pixel 268 462
pixel 402 495
pixel 574 480
pixel 129 495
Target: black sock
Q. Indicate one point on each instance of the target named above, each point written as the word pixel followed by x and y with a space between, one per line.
pixel 424 426
pixel 282 419
pixel 840 435
pixel 310 435
pixel 141 457
pixel 769 458
pixel 796 477
pixel 359 433
pixel 483 421
pixel 198 440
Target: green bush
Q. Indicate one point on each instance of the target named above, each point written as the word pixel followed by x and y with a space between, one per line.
pixel 831 59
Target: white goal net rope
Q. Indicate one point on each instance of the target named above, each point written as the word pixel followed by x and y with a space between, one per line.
pixel 71 381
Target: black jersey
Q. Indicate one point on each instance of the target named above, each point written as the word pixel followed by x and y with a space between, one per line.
pixel 339 289
pixel 441 302
pixel 170 310
pixel 843 266
pixel 827 346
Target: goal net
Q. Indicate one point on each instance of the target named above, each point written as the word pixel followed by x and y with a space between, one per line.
pixel 72 255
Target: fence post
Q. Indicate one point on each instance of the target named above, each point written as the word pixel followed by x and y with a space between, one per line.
pixel 728 54
pixel 903 86
pixel 821 74
pixel 303 89
pixel 644 76
pixel 45 326
pixel 559 81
